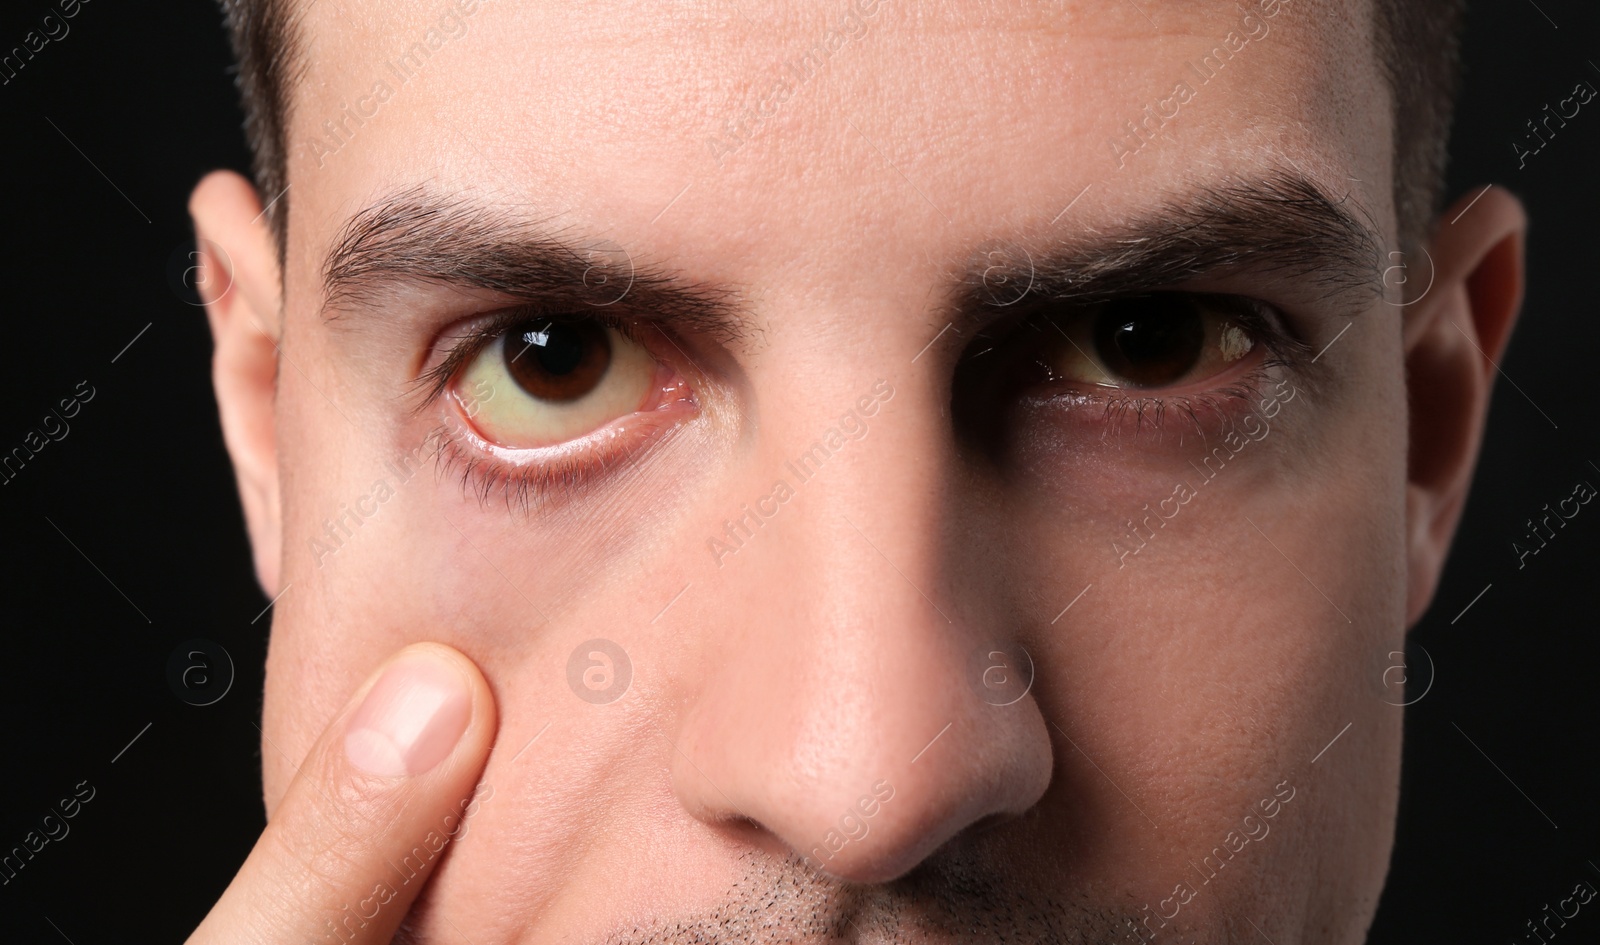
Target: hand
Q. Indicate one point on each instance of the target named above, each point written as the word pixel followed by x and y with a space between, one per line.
pixel 351 844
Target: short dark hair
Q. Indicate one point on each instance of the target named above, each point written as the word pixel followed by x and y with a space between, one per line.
pixel 1418 49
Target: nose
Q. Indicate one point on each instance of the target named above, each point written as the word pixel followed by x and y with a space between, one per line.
pixel 861 701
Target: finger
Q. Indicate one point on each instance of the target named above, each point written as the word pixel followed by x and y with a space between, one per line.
pixel 371 812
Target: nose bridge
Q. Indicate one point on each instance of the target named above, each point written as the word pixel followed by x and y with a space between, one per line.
pixel 845 721
pixel 864 568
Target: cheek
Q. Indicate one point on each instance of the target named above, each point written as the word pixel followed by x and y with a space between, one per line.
pixel 1240 633
pixel 305 688
pixel 1261 577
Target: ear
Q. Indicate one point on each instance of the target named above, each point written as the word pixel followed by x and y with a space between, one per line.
pixel 1454 336
pixel 239 283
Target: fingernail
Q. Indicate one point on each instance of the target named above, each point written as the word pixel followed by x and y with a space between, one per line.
pixel 410 719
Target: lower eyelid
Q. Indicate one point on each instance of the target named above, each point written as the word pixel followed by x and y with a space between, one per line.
pixel 1124 413
pixel 535 476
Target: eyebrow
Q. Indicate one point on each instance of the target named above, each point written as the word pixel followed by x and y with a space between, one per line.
pixel 413 236
pixel 1281 226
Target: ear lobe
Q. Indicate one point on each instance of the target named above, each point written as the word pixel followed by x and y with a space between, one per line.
pixel 1454 337
pixel 240 285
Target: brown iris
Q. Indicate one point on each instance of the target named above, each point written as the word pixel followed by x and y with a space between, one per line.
pixel 556 360
pixel 1151 340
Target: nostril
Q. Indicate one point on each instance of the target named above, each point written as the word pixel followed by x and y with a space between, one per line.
pixel 747 831
pixel 744 822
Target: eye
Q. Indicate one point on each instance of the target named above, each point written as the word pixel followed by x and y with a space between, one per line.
pixel 1122 364
pixel 1160 340
pixel 545 381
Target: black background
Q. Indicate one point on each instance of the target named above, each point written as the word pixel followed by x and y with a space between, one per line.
pixel 124 539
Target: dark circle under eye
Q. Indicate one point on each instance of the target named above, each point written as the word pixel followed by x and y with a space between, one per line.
pixel 1151 340
pixel 555 360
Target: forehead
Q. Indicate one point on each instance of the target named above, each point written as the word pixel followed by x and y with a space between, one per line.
pixel 778 129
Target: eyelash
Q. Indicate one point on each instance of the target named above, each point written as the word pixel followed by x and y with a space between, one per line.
pixel 524 487
pixel 1284 352
pixel 1193 407
pixel 468 346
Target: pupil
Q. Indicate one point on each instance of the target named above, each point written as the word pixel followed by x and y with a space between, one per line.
pixel 1151 341
pixel 555 360
pixel 558 348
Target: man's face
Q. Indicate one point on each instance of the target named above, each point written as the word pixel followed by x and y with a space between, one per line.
pixel 871 451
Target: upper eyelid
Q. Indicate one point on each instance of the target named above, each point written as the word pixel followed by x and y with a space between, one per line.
pixel 1274 324
pixel 463 347
pixel 1295 313
pixel 1284 347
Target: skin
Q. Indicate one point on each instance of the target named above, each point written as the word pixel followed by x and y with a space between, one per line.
pixel 1187 687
